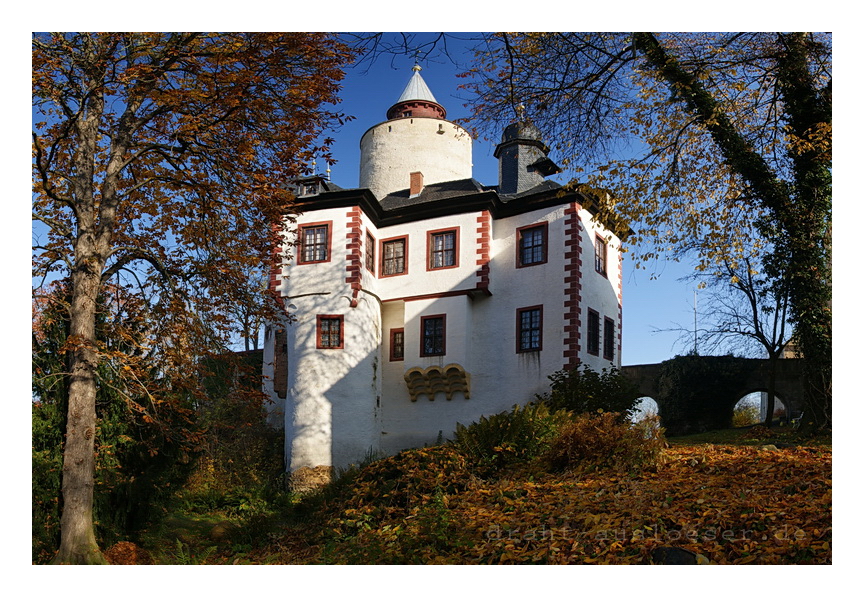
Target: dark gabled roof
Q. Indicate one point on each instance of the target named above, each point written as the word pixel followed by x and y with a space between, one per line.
pixel 329 186
pixel 544 187
pixel 441 199
pixel 458 188
pixel 326 185
pixel 433 192
pixel 545 166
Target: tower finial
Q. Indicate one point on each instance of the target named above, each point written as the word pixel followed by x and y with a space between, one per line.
pixel 520 112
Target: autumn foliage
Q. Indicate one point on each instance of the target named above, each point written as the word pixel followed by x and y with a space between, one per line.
pixel 724 504
pixel 732 159
pixel 162 165
pixel 601 441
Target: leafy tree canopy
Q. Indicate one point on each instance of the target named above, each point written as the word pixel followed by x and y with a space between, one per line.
pixel 727 145
pixel 700 120
pixel 161 163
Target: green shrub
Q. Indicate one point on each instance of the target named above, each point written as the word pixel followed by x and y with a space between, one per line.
pixel 47 463
pixel 583 390
pixel 148 434
pixel 512 436
pixel 745 415
pixel 394 510
pixel 602 440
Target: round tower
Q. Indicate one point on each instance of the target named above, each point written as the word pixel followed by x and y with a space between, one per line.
pixel 415 138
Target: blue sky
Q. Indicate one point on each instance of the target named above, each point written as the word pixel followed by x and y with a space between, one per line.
pixel 649 304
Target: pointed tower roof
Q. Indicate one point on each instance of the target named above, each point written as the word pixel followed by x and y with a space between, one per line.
pixel 416 100
pixel 417 89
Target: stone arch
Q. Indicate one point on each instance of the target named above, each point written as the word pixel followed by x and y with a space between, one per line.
pixel 756 396
pixel 697 394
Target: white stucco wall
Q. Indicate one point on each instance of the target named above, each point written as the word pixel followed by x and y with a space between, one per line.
pixel 419 280
pixel 274 406
pixel 332 409
pixel 342 403
pixel 333 417
pixel 390 151
pixel 600 293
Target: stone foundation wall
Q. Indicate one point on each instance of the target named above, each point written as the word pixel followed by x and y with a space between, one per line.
pixel 307 478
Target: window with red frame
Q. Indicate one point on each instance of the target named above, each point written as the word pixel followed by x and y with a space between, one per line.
pixel 397 344
pixel 393 255
pixel 330 332
pixel 370 252
pixel 608 338
pixel 600 255
pixel 593 332
pixel 532 245
pixel 314 243
pixel 443 249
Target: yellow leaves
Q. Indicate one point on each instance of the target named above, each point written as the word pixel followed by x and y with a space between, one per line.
pixel 816 140
pixel 736 510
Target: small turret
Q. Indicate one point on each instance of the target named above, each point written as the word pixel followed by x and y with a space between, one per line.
pixel 522 159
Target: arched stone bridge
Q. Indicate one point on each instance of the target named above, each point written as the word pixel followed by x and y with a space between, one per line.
pixel 696 394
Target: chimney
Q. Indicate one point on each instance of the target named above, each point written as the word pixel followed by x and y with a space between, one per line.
pixel 416 185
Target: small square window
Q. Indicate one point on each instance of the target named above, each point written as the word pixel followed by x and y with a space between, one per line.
pixel 330 333
pixel 443 248
pixel 529 322
pixel 314 242
pixel 532 245
pixel 394 255
pixel 432 331
pixel 397 344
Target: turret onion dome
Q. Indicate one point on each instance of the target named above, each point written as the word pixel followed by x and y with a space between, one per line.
pixel 416 101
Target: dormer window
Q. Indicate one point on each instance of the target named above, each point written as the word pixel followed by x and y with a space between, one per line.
pixel 309 188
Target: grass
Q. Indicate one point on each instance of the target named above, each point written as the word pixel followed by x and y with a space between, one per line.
pixel 190 534
pixel 750 436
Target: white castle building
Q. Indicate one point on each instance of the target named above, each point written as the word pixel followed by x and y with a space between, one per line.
pixel 424 298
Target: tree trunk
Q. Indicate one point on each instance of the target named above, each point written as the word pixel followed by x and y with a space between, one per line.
pixel 77 536
pixel 772 390
pixel 90 246
pixel 801 210
pixel 807 225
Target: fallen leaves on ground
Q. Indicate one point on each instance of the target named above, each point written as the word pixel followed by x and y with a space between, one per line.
pixel 727 504
pixel 126 553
